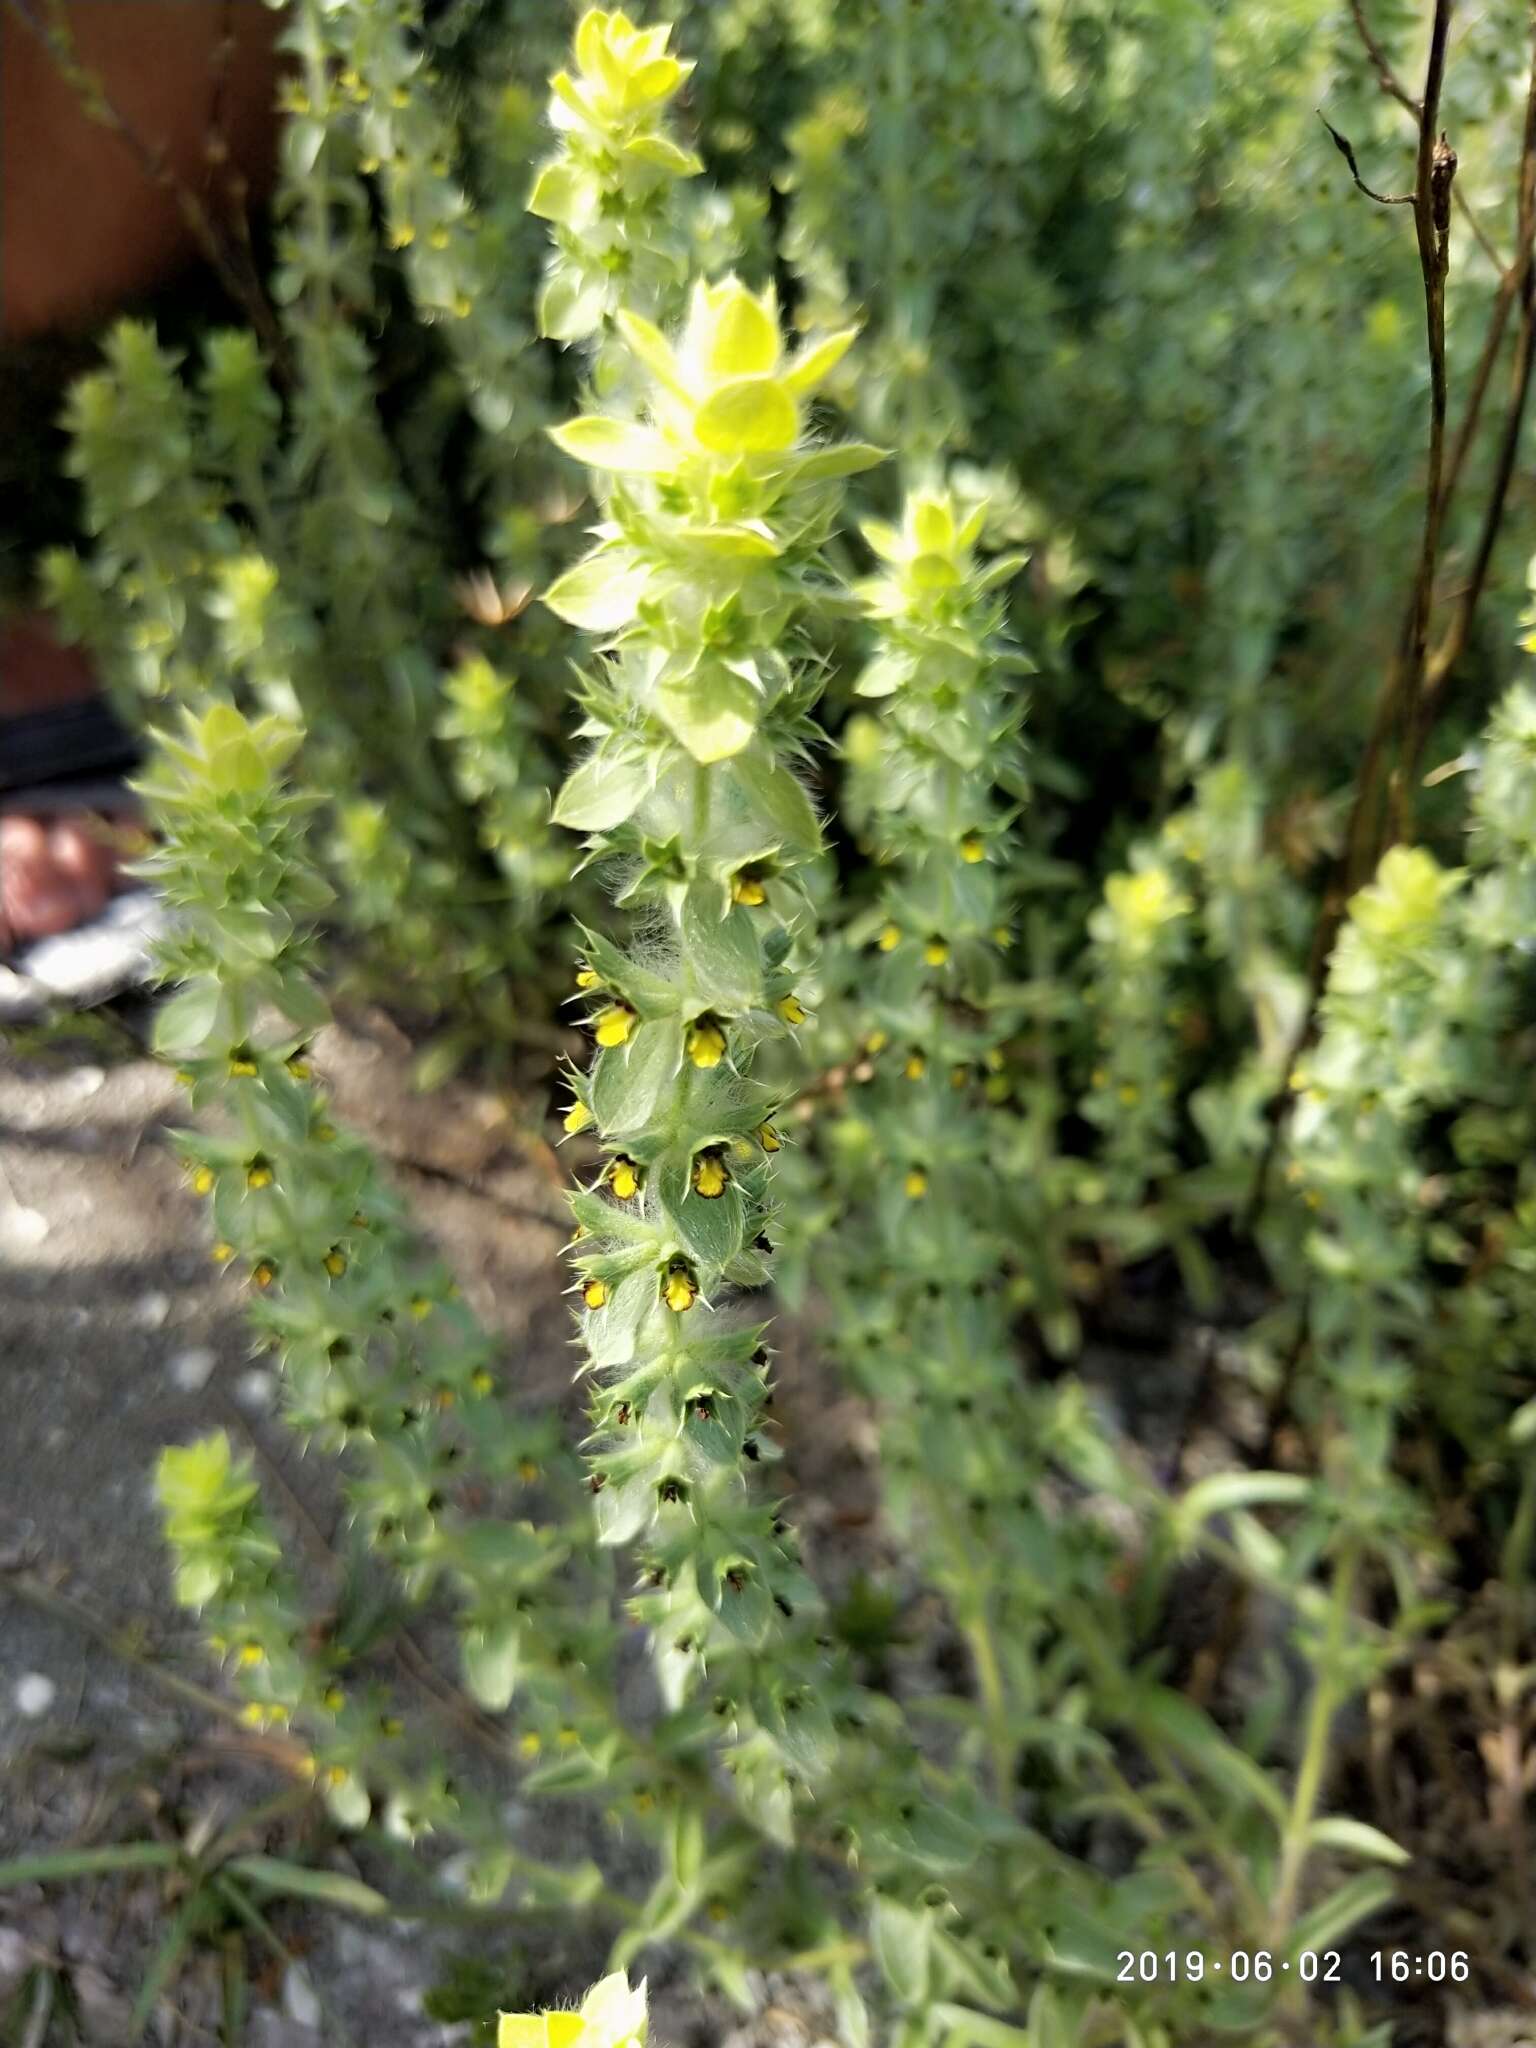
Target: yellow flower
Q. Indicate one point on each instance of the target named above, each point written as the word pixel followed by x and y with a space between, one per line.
pixel 611 2016
pixel 595 1293
pixel 241 1066
pixel 706 1041
pixel 333 1699
pixel 1141 903
pixel 679 1288
pixel 250 1653
pixel 615 1024
pixel 529 1744
pixel 915 1067
pixel 769 1138
pixel 298 1066
pixel 259 1173
pixel 577 1117
pixel 586 978
pixel 973 848
pixel 877 1041
pixel 915 1185
pixel 936 952
pixel 709 1175
pixel 203 1181
pixel 420 1306
pixel 622 70
pixel 1404 900
pixel 727 388
pixel 402 236
pixel 747 887
pixel 790 1009
pixel 624 1178
pixel 482 1380
pixel 890 938
pixel 335 1262
pixel 264 1272
pixel 223 1252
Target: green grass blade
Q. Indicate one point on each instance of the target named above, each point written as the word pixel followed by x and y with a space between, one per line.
pixel 89 1862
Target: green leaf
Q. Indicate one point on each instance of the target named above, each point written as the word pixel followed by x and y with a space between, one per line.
pixel 1196 1738
pixel 1227 1490
pixel 65 1863
pixel 685 1848
pixel 601 593
pixel 604 791
pixel 560 193
pixel 1358 1838
pixel 729 1974
pixel 884 675
pixel 779 801
pixel 570 307
pixel 297 1880
pixel 172 1948
pixel 186 1022
pixel 629 1082
pixel 1349 1905
pixel 618 445
pixel 843 458
pixel 666 155
pixel 730 543
pixel 712 712
pixel 491 1657
pixel 899 1937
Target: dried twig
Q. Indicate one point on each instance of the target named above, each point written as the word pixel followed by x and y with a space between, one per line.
pixel 1415 681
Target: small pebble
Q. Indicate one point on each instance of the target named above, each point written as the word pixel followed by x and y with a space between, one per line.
pixel 190 1369
pixel 299 2000
pixel 35 1694
pixel 85 1081
pixel 23 1226
pixel 152 1310
pixel 254 1389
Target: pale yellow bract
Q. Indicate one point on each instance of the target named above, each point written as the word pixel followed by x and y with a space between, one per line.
pixel 725 389
pixel 610 2016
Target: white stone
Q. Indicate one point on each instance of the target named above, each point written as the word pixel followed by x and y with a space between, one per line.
pixel 35 1694
pixel 190 1369
pixel 255 1389
pixel 152 1310
pixel 23 1226
pixel 299 2000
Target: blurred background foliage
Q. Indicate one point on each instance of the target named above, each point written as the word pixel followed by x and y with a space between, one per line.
pixel 1106 255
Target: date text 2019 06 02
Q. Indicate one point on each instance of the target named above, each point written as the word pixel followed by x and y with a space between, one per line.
pixel 1312 1966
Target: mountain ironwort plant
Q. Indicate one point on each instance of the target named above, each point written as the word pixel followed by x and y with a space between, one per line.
pixel 1033 1066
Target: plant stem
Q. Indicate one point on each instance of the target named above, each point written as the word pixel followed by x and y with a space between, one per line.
pixel 1327 1696
pixel 977 1629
